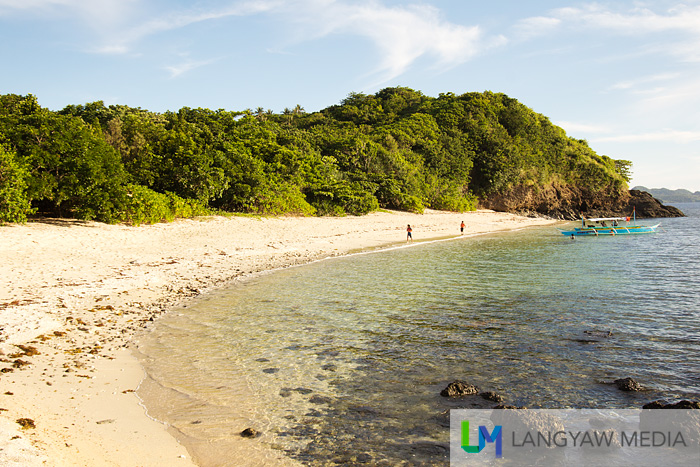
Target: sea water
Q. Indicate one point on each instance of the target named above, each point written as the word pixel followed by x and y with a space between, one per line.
pixel 343 361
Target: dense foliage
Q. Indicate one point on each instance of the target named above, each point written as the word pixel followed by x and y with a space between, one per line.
pixel 396 149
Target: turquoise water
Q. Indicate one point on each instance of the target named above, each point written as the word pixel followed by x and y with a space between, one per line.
pixel 342 361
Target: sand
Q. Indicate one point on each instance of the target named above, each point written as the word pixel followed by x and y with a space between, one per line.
pixel 73 294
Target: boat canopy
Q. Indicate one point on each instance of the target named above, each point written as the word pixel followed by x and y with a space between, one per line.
pixel 601 219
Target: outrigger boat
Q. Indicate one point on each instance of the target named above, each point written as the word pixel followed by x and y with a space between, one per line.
pixel 609 226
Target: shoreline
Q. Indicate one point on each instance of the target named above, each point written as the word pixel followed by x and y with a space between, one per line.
pixel 74 294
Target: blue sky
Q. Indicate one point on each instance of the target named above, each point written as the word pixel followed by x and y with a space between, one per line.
pixel 624 75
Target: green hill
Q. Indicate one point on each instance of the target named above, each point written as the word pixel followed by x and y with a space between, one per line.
pixel 396 149
pixel 672 196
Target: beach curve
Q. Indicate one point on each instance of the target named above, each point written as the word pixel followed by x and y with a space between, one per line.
pixel 73 294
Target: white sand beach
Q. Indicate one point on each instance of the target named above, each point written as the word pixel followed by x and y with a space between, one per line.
pixel 73 294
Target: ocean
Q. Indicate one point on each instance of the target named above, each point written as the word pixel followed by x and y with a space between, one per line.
pixel 342 361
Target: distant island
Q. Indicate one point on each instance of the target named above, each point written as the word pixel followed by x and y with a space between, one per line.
pixel 672 196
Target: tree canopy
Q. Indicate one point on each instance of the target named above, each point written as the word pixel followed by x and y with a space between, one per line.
pixel 396 149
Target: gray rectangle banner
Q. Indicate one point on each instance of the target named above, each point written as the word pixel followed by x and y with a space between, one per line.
pixel 575 437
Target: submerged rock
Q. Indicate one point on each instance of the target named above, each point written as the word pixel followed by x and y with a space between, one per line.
pixel 492 396
pixel 684 404
pixel 627 384
pixel 250 433
pixel 458 389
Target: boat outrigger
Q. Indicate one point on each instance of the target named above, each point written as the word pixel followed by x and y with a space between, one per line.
pixel 609 226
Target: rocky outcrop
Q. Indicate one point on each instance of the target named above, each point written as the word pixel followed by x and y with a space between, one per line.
pixel 627 384
pixel 458 389
pixel 570 202
pixel 648 206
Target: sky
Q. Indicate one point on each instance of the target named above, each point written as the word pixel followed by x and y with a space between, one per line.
pixel 623 75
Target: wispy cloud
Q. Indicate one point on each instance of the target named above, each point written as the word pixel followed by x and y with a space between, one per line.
pixel 635 84
pixel 126 38
pixel 536 26
pixel 91 12
pixel 186 66
pixel 681 19
pixel 576 127
pixel 400 34
pixel 666 136
pixel 633 21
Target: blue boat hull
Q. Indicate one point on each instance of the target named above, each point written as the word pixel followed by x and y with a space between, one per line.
pixel 597 231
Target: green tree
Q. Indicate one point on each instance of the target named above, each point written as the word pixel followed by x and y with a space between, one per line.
pixel 14 203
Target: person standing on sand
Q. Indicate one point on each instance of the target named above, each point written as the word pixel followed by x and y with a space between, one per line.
pixel 409 237
pixel 461 228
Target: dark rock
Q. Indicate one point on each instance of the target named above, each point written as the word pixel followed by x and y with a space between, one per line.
pixel 597 333
pixel 250 433
pixel 648 206
pixel 316 399
pixel 271 370
pixel 492 396
pixel 627 384
pixel 684 404
pixel 458 389
pixel 26 423
pixel 303 390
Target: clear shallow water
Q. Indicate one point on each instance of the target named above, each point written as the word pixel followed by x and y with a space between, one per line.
pixel 343 361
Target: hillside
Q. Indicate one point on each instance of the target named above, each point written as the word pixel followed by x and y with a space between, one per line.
pixel 396 149
pixel 672 196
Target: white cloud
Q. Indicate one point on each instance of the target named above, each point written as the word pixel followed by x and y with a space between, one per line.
pixel 642 81
pixel 123 41
pixel 186 66
pixel 666 136
pixel 536 26
pixel 681 20
pixel 634 21
pixel 96 12
pixel 572 128
pixel 401 34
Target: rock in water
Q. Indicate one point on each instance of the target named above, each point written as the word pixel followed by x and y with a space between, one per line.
pixel 459 388
pixel 647 206
pixel 250 433
pixel 492 396
pixel 684 404
pixel 627 384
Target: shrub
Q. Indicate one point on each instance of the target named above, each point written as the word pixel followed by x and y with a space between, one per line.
pixel 145 206
pixel 14 203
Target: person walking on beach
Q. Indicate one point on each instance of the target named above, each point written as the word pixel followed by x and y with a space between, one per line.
pixel 461 228
pixel 409 237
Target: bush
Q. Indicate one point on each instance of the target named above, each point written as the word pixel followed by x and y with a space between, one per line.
pixel 456 203
pixel 145 206
pixel 342 198
pixel 14 203
pixel 277 199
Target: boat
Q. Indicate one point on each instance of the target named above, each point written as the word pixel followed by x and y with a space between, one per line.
pixel 596 226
